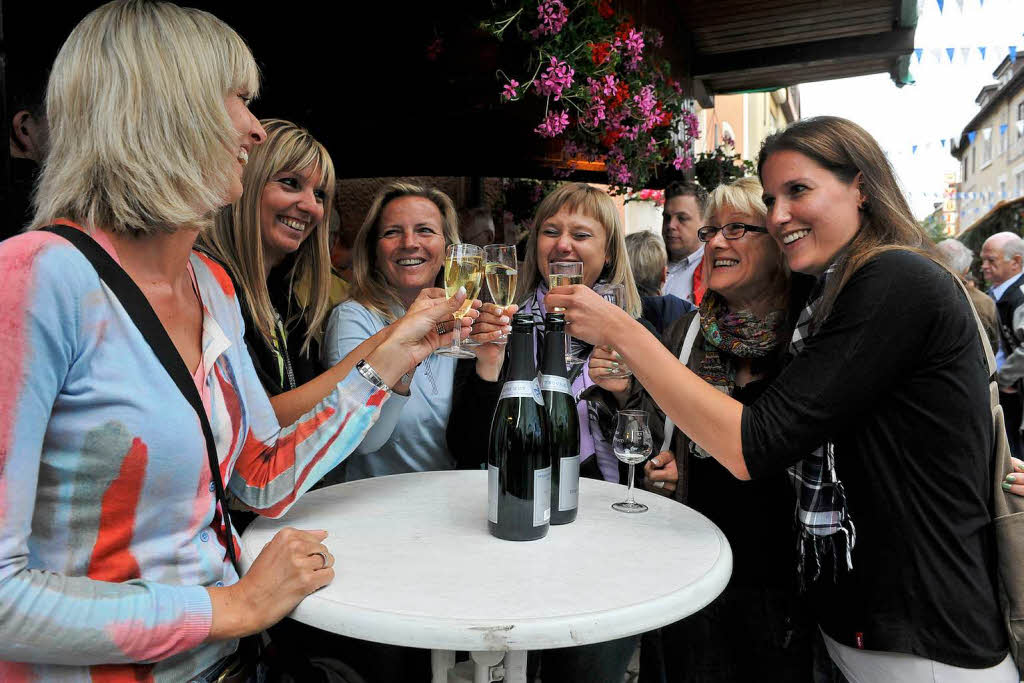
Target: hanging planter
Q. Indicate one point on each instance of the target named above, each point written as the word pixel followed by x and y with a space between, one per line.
pixel 609 100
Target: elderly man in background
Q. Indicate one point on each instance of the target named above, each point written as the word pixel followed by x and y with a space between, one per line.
pixel 648 259
pixel 1001 257
pixel 959 258
pixel 684 209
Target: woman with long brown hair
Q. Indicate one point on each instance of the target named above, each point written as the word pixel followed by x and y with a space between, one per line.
pixel 882 417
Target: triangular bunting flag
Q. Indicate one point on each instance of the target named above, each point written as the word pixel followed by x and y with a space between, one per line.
pixel 981 49
pixel 918 51
pixel 965 51
pixel 940 6
pixel 971 136
pixel 913 150
pixel 943 141
pixel 937 54
pixel 960 4
pixel 1013 53
pixel 1002 129
pixel 950 51
pixel 986 133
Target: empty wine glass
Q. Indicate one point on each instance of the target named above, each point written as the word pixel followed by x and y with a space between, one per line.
pixel 617 295
pixel 560 274
pixel 632 445
pixel 463 267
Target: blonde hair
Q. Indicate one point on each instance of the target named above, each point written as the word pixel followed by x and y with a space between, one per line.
pixel 743 195
pixel 140 138
pixel 369 286
pixel 236 238
pixel 593 203
pixel 647 258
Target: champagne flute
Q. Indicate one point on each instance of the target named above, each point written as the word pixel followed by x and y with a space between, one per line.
pixel 632 444
pixel 463 267
pixel 617 295
pixel 501 270
pixel 560 274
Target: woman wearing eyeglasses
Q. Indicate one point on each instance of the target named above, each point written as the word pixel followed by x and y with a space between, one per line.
pixel 736 341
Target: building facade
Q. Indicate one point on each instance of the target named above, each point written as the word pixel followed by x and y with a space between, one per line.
pixel 991 148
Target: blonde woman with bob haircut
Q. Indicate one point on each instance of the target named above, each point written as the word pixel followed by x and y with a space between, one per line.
pixel 575 222
pixel 113 554
pixel 271 240
pixel 398 254
pixel 881 419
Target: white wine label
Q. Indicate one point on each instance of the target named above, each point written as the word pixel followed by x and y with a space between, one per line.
pixel 492 494
pixel 568 483
pixel 555 383
pixel 542 496
pixel 522 389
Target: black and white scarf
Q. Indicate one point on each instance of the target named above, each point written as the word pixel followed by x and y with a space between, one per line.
pixel 823 520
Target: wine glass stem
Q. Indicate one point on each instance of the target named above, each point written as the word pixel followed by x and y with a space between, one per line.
pixel 455 333
pixel 629 491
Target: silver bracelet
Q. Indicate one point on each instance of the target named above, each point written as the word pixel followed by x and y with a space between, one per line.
pixel 371 375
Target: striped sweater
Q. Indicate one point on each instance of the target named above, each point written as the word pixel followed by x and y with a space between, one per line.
pixel 108 519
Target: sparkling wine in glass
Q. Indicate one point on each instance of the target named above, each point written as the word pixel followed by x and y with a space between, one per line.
pixel 616 294
pixel 463 267
pixel 560 274
pixel 632 445
pixel 501 270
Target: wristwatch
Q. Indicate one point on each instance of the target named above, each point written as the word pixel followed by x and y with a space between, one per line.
pixel 371 375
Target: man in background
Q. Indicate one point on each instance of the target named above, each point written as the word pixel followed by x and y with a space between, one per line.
pixel 648 259
pixel 1002 256
pixel 684 211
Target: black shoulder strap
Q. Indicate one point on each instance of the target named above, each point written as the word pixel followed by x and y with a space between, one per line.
pixel 145 318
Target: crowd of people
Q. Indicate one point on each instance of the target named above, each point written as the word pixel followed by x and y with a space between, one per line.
pixel 809 358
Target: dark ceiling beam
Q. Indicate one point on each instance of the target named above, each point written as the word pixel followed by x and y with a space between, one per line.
pixel 891 44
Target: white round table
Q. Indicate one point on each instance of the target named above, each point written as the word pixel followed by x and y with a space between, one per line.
pixel 416 566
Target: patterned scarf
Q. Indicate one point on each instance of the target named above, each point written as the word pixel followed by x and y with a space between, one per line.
pixel 740 334
pixel 821 512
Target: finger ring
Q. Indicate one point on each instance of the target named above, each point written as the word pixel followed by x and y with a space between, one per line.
pixel 659 484
pixel 440 329
pixel 323 556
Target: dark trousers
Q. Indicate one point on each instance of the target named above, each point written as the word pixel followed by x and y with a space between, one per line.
pixel 1013 412
pixel 585 663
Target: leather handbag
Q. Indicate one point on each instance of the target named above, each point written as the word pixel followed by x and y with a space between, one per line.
pixel 1007 513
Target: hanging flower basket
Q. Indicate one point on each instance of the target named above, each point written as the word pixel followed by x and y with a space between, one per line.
pixel 608 97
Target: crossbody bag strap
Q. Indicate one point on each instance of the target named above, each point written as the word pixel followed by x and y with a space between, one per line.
pixel 684 357
pixel 145 318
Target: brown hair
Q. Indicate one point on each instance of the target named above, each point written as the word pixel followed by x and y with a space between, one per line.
pixel 886 222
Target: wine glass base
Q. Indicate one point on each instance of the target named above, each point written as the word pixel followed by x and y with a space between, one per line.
pixel 573 361
pixel 626 506
pixel 455 353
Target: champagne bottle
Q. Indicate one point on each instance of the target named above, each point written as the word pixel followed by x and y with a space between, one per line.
pixel 563 423
pixel 518 463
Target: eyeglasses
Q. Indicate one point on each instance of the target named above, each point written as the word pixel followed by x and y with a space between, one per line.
pixel 730 231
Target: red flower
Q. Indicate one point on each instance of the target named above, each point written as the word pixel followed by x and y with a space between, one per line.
pixel 604 8
pixel 599 52
pixel 610 137
pixel 621 95
pixel 623 31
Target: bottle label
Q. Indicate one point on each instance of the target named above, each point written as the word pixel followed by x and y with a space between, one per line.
pixel 492 494
pixel 542 496
pixel 522 389
pixel 555 383
pixel 568 483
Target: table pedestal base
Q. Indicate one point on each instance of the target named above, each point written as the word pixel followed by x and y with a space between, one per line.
pixel 487 666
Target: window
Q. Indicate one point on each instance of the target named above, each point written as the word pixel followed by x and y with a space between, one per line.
pixel 986 149
pixel 974 158
pixel 1003 138
pixel 964 174
pixel 1020 184
pixel 1002 191
pixel 1020 117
